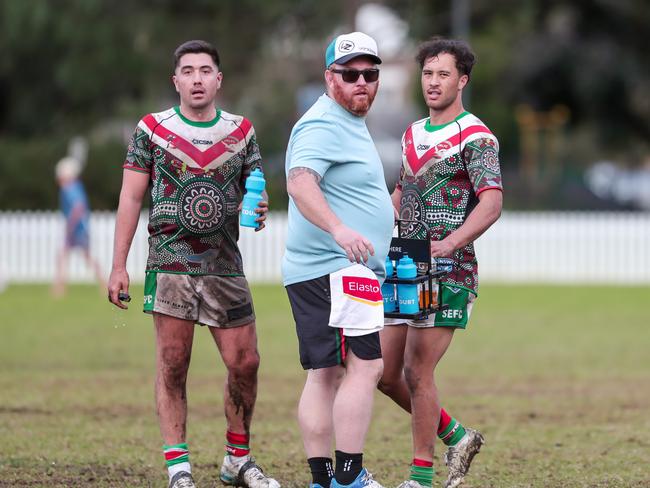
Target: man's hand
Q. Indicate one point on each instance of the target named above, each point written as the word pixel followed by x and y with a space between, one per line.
pixel 478 221
pixel 262 209
pixel 118 282
pixel 357 247
pixel 442 249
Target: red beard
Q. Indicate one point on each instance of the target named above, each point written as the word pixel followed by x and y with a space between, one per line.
pixel 359 106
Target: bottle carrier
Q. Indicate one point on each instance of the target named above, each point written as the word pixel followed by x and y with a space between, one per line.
pixel 428 276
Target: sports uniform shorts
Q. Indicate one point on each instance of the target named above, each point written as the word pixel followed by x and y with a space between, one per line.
pixel 216 301
pixel 460 302
pixel 78 238
pixel 322 345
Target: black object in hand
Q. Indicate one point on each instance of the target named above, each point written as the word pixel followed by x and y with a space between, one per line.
pixel 123 297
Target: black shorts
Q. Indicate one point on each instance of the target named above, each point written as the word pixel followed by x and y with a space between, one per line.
pixel 322 346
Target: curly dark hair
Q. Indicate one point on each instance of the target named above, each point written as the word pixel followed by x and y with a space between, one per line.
pixel 460 50
pixel 195 47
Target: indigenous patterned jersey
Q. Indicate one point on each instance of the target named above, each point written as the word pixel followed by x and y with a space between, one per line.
pixel 198 170
pixel 444 169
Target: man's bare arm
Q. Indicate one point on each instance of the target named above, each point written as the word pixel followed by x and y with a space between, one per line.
pixel 134 187
pixel 303 187
pixel 396 198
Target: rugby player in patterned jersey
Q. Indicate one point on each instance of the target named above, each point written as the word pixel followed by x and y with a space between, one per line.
pixel 194 160
pixel 450 179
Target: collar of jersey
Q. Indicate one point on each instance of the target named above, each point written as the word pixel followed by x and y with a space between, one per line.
pixel 208 123
pixel 432 128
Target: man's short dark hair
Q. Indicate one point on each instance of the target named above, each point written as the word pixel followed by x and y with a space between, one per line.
pixel 195 47
pixel 460 50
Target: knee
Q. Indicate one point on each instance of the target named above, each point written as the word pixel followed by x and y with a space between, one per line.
pixel 375 369
pixel 418 377
pixel 244 364
pixel 412 377
pixel 335 376
pixel 173 365
pixel 387 384
pixel 365 370
pixel 327 376
pixel 326 379
pixel 392 378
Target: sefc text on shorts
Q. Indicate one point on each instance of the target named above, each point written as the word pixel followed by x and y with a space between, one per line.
pixel 322 345
pixel 216 301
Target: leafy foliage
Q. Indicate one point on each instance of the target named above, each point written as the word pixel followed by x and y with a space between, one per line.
pixel 94 67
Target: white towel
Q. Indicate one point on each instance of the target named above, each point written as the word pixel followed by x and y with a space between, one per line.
pixel 357 303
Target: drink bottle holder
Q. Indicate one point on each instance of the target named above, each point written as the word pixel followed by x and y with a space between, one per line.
pixel 420 251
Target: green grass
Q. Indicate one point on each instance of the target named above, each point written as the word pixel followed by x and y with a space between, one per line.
pixel 557 378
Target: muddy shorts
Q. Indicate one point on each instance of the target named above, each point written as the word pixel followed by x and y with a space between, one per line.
pixel 217 301
pixel 460 301
pixel 328 312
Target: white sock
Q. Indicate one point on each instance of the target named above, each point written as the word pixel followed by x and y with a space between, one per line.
pixel 238 460
pixel 177 468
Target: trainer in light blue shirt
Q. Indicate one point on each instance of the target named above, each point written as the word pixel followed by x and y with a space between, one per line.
pixel 336 144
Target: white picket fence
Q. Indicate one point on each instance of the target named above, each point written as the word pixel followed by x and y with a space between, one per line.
pixel 533 247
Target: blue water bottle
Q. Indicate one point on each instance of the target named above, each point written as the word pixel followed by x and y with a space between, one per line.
pixel 407 295
pixel 255 184
pixel 388 290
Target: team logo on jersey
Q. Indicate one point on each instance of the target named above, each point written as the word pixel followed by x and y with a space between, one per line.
pixel 440 149
pixel 364 290
pixel 229 142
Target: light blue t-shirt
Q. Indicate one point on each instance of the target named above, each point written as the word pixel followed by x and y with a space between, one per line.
pixel 336 144
pixel 70 196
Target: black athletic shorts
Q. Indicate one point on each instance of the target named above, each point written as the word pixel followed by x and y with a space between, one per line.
pixel 322 346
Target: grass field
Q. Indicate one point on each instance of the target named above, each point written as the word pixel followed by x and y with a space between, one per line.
pixel 557 378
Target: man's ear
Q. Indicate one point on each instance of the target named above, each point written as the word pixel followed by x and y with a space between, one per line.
pixel 175 82
pixel 219 79
pixel 462 82
pixel 329 78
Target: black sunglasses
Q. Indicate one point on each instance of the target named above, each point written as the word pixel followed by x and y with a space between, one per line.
pixel 352 75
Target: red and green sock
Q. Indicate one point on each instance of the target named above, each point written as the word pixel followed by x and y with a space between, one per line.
pixel 422 472
pixel 177 458
pixel 237 444
pixel 450 430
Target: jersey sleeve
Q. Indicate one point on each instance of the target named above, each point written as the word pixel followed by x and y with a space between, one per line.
pixel 482 159
pixel 253 158
pixel 402 172
pixel 314 146
pixel 138 155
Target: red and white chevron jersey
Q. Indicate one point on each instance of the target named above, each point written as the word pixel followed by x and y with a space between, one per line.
pixel 198 170
pixel 444 169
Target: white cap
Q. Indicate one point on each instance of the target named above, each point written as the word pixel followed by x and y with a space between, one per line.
pixel 348 46
pixel 67 168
